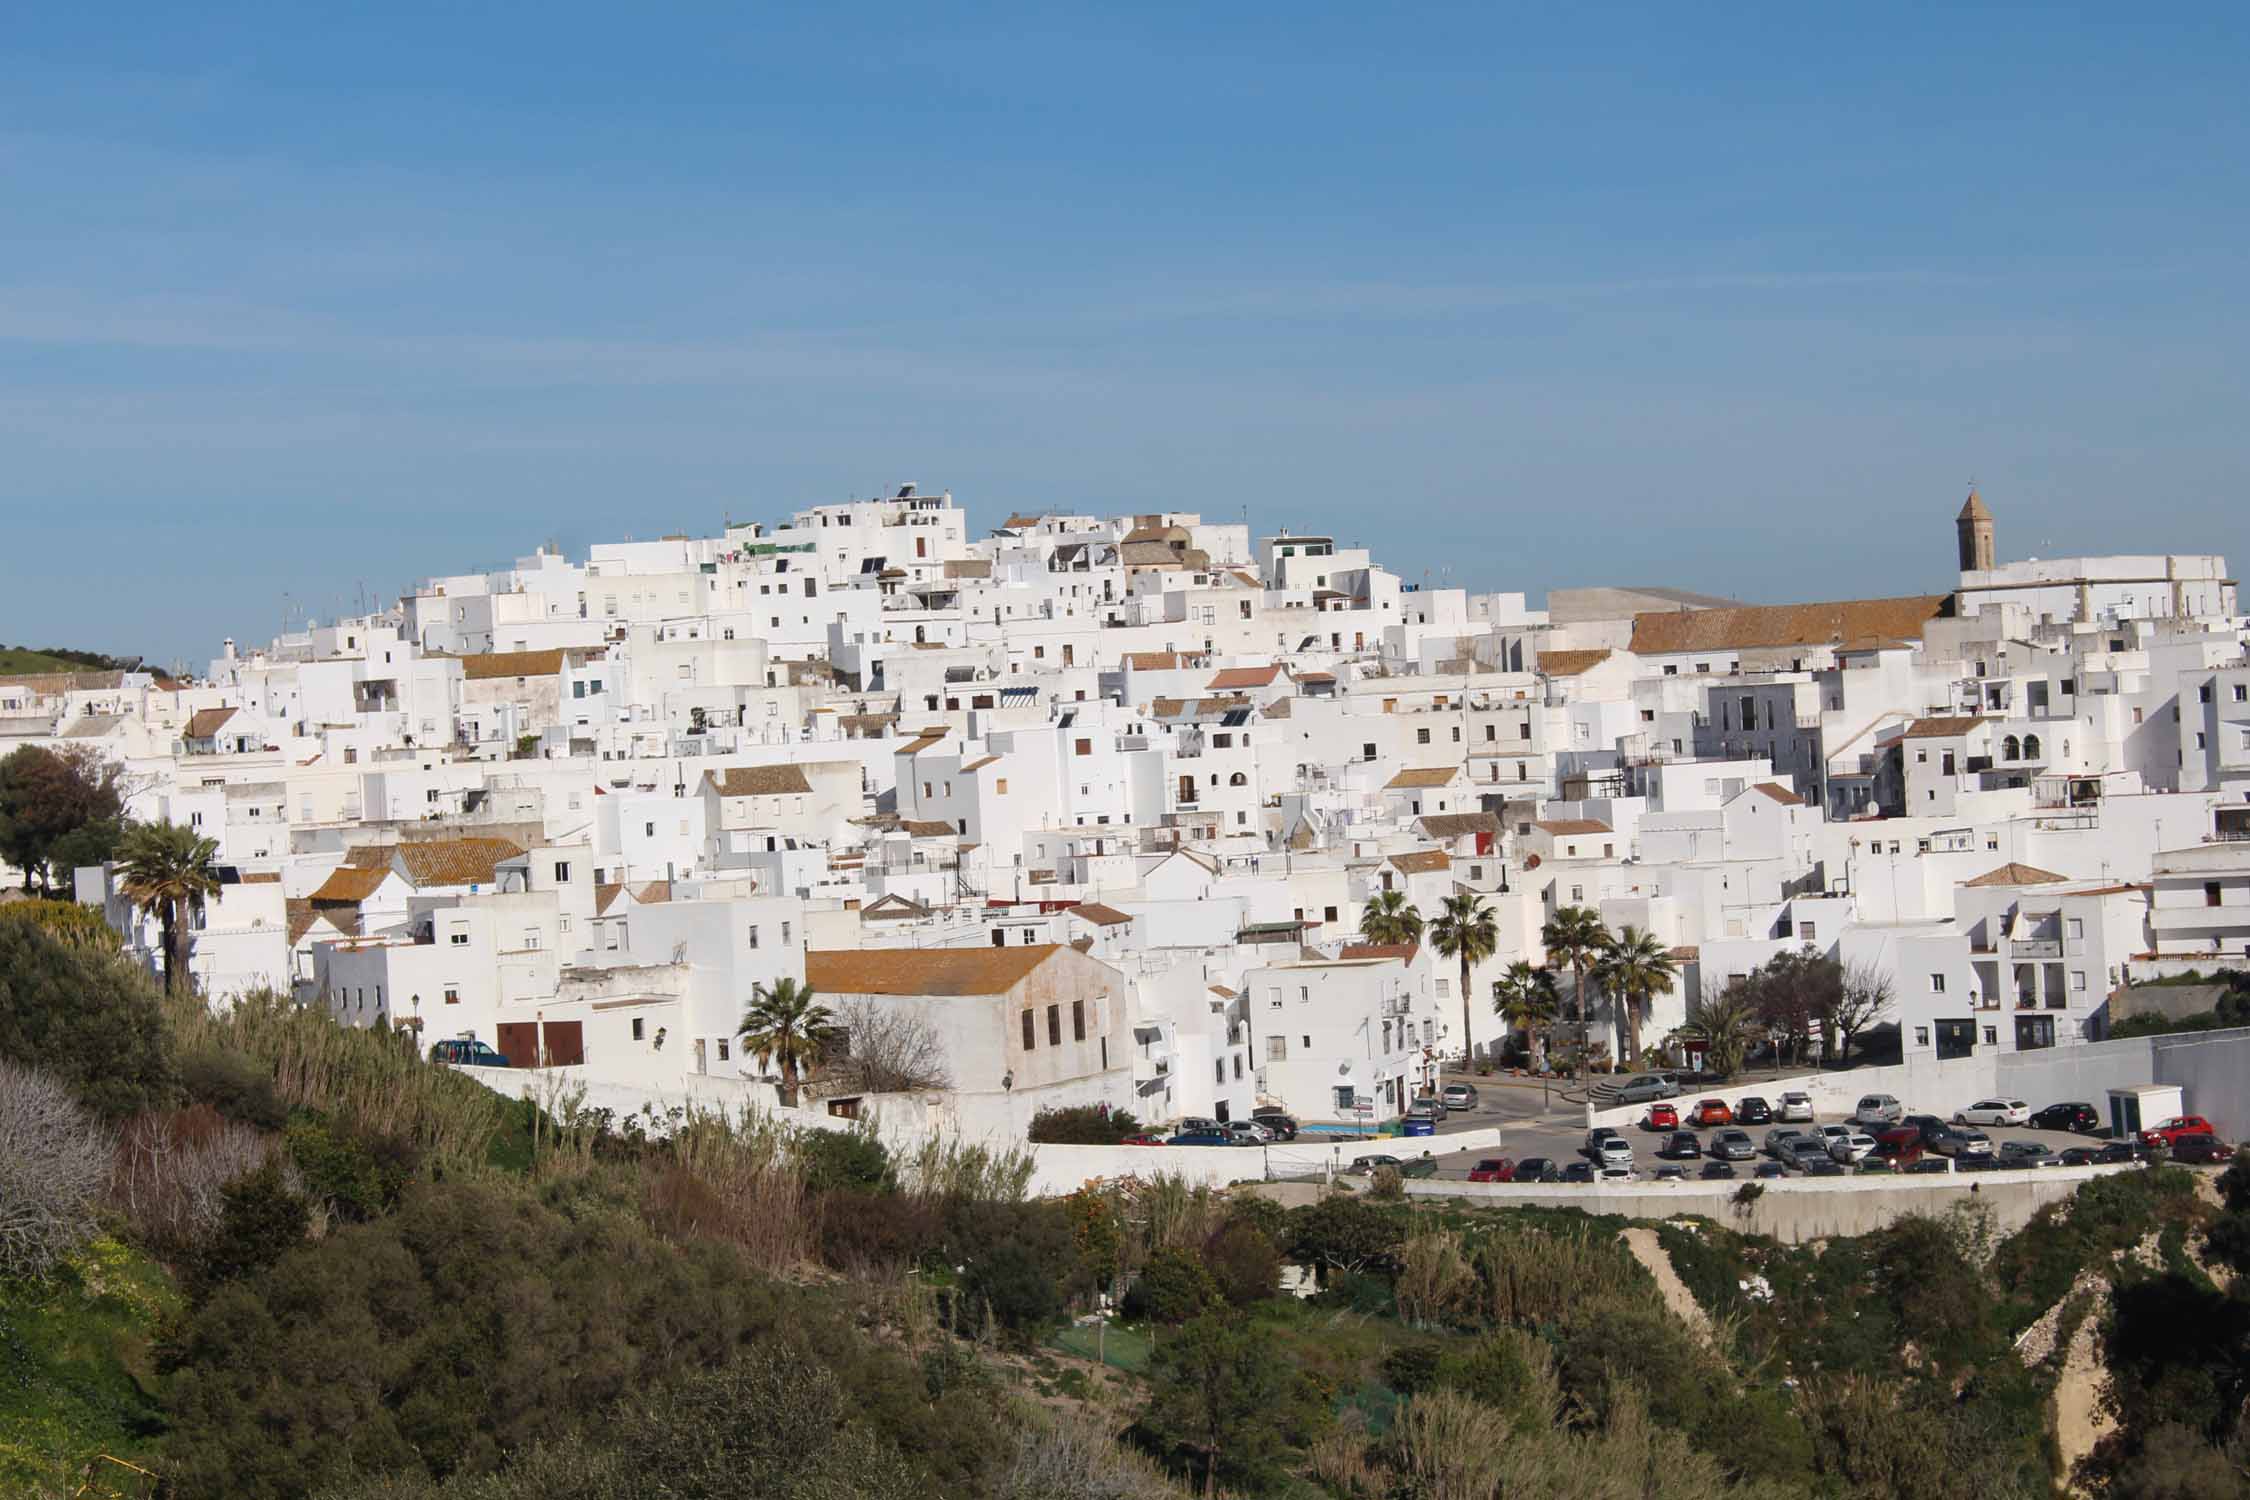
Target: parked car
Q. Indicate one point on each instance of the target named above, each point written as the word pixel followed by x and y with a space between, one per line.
pixel 1426 1108
pixel 1994 1112
pixel 1492 1169
pixel 1901 1146
pixel 463 1052
pixel 1668 1174
pixel 1202 1138
pixel 1536 1169
pixel 1928 1164
pixel 1577 1171
pixel 1770 1169
pixel 2171 1132
pixel 1928 1125
pixel 2112 1154
pixel 1459 1096
pixel 2080 1119
pixel 1733 1145
pixel 1795 1105
pixel 1851 1149
pixel 1750 1109
pixel 1681 1145
pixel 1777 1140
pixel 1977 1164
pixel 2026 1154
pixel 1717 1171
pixel 1616 1171
pixel 1711 1112
pixel 1364 1165
pixel 1877 1110
pixel 1250 1133
pixel 2201 1150
pixel 1831 1134
pixel 1424 1165
pixel 1196 1125
pixel 1661 1117
pixel 1644 1087
pixel 1802 1153
pixel 1613 1150
pixel 1284 1128
pixel 1142 1140
pixel 1824 1166
pixel 1962 1141
pixel 1874 1164
pixel 1594 1139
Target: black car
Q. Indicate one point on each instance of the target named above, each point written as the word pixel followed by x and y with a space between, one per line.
pixel 1717 1171
pixel 1577 1171
pixel 1930 1164
pixel 1536 1169
pixel 1930 1125
pixel 1770 1169
pixel 2201 1150
pixel 1752 1110
pixel 1966 1163
pixel 1824 1167
pixel 1283 1127
pixel 1681 1145
pixel 2081 1119
pixel 1671 1174
pixel 2112 1154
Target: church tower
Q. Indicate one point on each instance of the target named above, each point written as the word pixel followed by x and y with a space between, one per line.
pixel 1973 528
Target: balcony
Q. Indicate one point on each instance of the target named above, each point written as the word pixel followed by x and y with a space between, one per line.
pixel 2035 948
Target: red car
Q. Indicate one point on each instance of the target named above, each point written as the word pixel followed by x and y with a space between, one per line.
pixel 1142 1140
pixel 1661 1117
pixel 1711 1112
pixel 2171 1131
pixel 1493 1169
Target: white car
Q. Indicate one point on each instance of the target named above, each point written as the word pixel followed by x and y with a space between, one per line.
pixel 1613 1151
pixel 1995 1112
pixel 1831 1134
pixel 1615 1172
pixel 1852 1148
pixel 1794 1106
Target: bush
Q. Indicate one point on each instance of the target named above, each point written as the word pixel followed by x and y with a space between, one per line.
pixel 357 1180
pixel 1386 1185
pixel 1016 1285
pixel 1173 1287
pixel 852 1159
pixel 1344 1232
pixel 1082 1125
pixel 233 1085
pixel 1244 1266
pixel 260 1220
pixel 53 1162
pixel 1411 1368
pixel 88 1019
pixel 171 1170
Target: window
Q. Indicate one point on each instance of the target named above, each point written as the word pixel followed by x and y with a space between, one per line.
pixel 2077 927
pixel 2211 893
pixel 1030 1031
pixel 722 1049
pixel 1421 736
pixel 1305 1042
pixel 1367 752
pixel 1578 893
pixel 753 935
pixel 1304 994
pixel 1078 1020
pixel 1084 747
pixel 459 937
pixel 1277 1049
pixel 1219 1070
pixel 1328 913
pixel 1806 931
pixel 562 872
pixel 2242 693
pixel 640 1028
pixel 785 934
pixel 1991 1036
pixel 2078 979
pixel 1054 1025
pixel 453 994
pixel 1921 1036
pixel 1937 984
pixel 1273 999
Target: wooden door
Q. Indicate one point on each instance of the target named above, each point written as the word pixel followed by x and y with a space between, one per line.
pixel 519 1043
pixel 566 1044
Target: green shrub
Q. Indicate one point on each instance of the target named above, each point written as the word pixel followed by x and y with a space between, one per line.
pixel 843 1159
pixel 1082 1125
pixel 260 1221
pixel 232 1084
pixel 1244 1266
pixel 358 1180
pixel 88 1019
pixel 1411 1368
pixel 1172 1288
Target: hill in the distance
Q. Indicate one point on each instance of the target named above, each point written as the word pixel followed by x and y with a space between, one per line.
pixel 21 661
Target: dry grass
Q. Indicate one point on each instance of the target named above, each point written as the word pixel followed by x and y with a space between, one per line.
pixel 733 1179
pixel 171 1167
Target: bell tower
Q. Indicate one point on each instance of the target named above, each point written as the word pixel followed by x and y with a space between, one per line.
pixel 1973 529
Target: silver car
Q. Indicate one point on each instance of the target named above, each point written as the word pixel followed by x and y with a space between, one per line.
pixel 1794 1105
pixel 1732 1145
pixel 1777 1141
pixel 1852 1148
pixel 2026 1154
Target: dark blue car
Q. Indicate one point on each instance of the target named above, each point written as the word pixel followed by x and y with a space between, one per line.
pixel 467 1053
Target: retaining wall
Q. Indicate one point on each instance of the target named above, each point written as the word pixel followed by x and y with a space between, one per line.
pixel 1794 1210
pixel 1065 1169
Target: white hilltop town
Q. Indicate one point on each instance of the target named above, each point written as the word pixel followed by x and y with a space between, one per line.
pixel 1100 802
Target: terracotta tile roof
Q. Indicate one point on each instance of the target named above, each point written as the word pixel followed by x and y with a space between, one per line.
pixel 1849 621
pixel 1458 825
pixel 917 746
pixel 1155 534
pixel 350 884
pixel 759 781
pixel 1100 915
pixel 1573 825
pixel 300 918
pixel 1942 728
pixel 604 895
pixel 1154 661
pixel 261 877
pixel 1234 679
pixel 1018 523
pixel 1316 676
pixel 93 726
pixel 981 762
pixel 205 722
pixel 922 971
pixel 467 861
pixel 1403 952
pixel 1224 993
pixel 1779 793
pixel 1184 708
pixel 867 726
pixel 968 567
pixel 1570 663
pixel 2013 873
pixel 894 908
pixel 491 664
pixel 1279 709
pixel 1422 862
pixel 928 828
pixel 1415 777
pixel 1686 953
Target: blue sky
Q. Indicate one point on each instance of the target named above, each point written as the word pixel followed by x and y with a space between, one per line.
pixel 1736 301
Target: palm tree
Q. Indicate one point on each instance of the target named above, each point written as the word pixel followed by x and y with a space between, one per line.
pixel 1575 937
pixel 1636 969
pixel 167 870
pixel 1391 918
pixel 1724 1025
pixel 787 1025
pixel 1466 930
pixel 1524 997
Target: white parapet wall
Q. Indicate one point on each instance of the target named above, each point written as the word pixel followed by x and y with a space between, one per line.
pixel 1065 1169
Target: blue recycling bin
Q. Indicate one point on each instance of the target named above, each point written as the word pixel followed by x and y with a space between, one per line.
pixel 1421 1127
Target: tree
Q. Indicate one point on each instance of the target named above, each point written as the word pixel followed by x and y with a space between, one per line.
pixel 168 870
pixel 1794 995
pixel 1865 998
pixel 1217 1390
pixel 788 1026
pixel 1467 932
pixel 54 1162
pixel 1391 918
pixel 883 1050
pixel 1636 969
pixel 1723 1026
pixel 1082 1125
pixel 85 1017
pixel 1575 937
pixel 1525 999
pixel 46 794
pixel 92 842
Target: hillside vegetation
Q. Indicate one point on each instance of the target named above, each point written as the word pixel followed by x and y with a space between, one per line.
pixel 22 661
pixel 270 1258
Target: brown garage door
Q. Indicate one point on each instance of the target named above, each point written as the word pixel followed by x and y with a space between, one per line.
pixel 566 1043
pixel 519 1043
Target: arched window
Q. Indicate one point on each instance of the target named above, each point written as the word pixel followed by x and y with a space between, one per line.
pixel 2031 747
pixel 2011 749
pixel 1238 779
